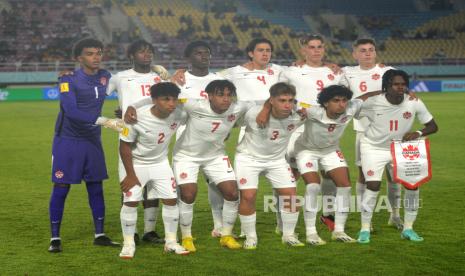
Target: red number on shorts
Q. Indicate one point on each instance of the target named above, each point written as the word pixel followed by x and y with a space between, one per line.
pixel 320 85
pixel 393 125
pixel 274 135
pixel 161 138
pixel 363 86
pixel 331 127
pixel 145 89
pixel 227 161
pixel 215 126
pixel 262 79
pixel 203 94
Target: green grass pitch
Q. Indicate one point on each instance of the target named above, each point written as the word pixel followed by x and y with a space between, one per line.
pixel 25 147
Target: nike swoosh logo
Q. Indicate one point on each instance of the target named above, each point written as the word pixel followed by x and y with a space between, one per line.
pixel 148 131
pixel 304 74
pixel 131 79
pixel 187 87
pixel 379 114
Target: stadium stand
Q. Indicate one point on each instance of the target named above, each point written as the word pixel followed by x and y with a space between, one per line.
pixel 37 35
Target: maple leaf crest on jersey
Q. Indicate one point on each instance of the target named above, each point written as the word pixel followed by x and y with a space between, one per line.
pixel 243 181
pixel 290 127
pixel 270 71
pixel 375 76
pixel 309 164
pixel 173 125
pixel 331 77
pixel 407 115
pixel 232 117
pixel 157 79
pixel 370 173
pixel 103 81
pixel 344 119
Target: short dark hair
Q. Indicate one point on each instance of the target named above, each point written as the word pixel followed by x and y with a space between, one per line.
pixel 137 46
pixel 282 88
pixel 305 39
pixel 332 91
pixel 86 43
pixel 253 43
pixel 389 76
pixel 220 85
pixel 362 41
pixel 164 89
pixel 194 44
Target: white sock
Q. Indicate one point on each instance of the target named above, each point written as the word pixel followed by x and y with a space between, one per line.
pixel 360 190
pixel 394 191
pixel 368 207
pixel 342 208
pixel 311 207
pixel 170 216
pixel 328 190
pixel 411 205
pixel 215 198
pixel 289 222
pixel 128 216
pixel 248 225
pixel 230 209
pixel 150 219
pixel 279 221
pixel 186 214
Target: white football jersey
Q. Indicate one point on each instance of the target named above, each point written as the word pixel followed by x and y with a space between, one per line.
pixel 391 122
pixel 361 81
pixel 268 143
pixel 323 133
pixel 151 135
pixel 253 85
pixel 309 81
pixel 206 130
pixel 132 86
pixel 194 88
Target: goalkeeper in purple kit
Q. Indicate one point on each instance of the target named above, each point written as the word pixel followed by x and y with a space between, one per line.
pixel 77 152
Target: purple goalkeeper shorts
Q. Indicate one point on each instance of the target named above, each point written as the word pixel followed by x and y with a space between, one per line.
pixel 74 160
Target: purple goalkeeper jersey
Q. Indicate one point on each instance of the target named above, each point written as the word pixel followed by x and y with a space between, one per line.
pixel 81 101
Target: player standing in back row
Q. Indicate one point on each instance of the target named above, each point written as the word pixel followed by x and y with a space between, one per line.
pixel 77 152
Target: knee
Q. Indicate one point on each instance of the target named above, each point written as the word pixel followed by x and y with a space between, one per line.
pixel 248 198
pixel 373 185
pixel 231 195
pixel 188 197
pixel 150 203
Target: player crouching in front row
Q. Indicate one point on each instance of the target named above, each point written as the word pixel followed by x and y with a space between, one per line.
pixel 144 152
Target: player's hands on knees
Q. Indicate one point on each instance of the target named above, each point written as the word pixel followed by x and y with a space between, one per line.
pixel 411 136
pixel 118 113
pixel 129 182
pixel 179 77
pixel 334 67
pixel 161 71
pixel 130 116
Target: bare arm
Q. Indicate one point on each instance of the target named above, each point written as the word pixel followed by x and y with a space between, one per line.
pixel 263 116
pixel 430 128
pixel 126 156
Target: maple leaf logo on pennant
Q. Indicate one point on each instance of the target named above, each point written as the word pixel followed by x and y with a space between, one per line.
pixel 410 152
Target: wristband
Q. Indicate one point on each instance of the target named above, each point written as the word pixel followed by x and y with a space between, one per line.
pixel 419 132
